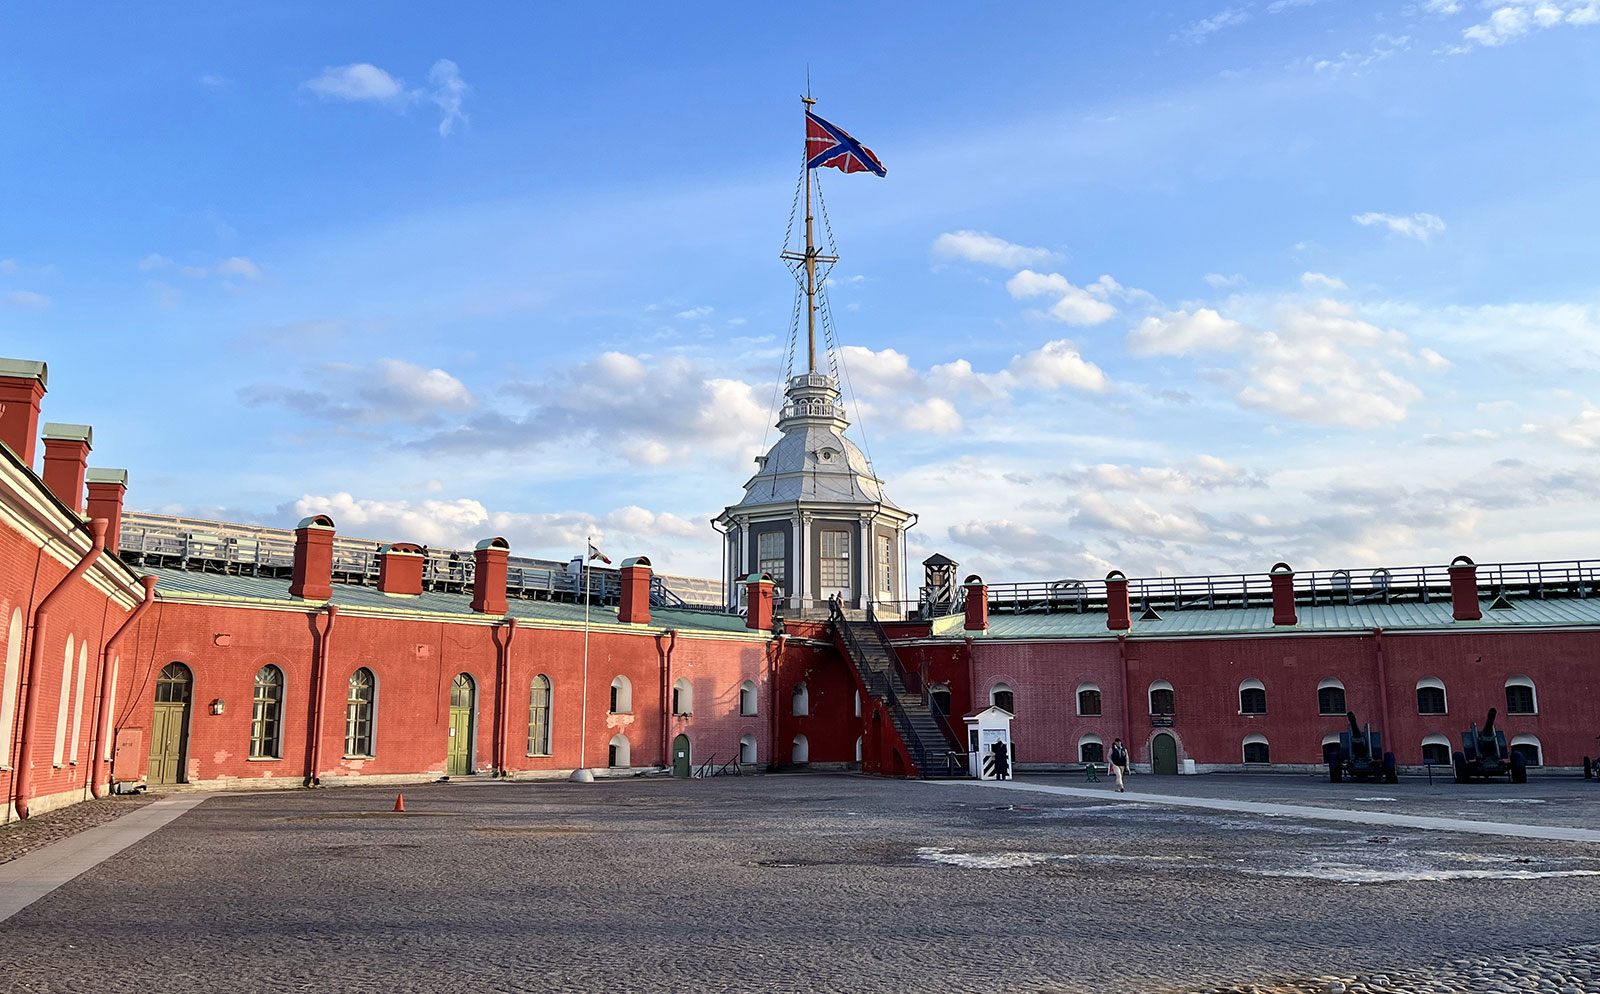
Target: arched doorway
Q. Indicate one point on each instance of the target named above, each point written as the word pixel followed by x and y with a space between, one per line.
pixel 939 700
pixel 462 699
pixel 1164 755
pixel 169 728
pixel 681 760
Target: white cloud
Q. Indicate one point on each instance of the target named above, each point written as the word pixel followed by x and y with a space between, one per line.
pixel 153 261
pixel 1180 333
pixel 1443 7
pixel 982 247
pixel 935 415
pixel 1198 31
pixel 238 266
pixel 695 313
pixel 1279 6
pixel 1582 431
pixel 363 81
pixel 1419 226
pixel 356 81
pixel 1058 364
pixel 390 391
pixel 1512 20
pixel 1073 305
pixel 28 300
pixel 1315 280
pixel 1219 281
pixel 1134 516
pixel 215 82
pixel 1203 472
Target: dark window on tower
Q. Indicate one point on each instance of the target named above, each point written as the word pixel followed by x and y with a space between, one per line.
pixel 1436 754
pixel 1092 752
pixel 1253 700
pixel 1430 700
pixel 1255 752
pixel 1004 699
pixel 1089 704
pixel 1161 702
pixel 1519 699
pixel 1330 700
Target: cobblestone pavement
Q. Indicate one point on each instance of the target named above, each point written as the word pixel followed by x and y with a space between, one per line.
pixel 791 883
pixel 20 837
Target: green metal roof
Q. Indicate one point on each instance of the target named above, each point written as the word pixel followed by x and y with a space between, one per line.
pixel 1530 612
pixel 259 588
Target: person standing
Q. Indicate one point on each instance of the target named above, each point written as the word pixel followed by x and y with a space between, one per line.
pixel 1119 761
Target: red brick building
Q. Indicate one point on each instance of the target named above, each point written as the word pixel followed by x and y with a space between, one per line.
pixel 258 657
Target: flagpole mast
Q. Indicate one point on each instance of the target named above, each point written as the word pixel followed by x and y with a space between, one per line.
pixel 811 266
pixel 583 734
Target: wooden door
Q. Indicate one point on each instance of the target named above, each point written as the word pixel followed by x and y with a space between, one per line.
pixel 681 760
pixel 169 731
pixel 461 702
pixel 1164 755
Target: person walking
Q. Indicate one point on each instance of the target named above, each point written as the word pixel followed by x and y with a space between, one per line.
pixel 1119 761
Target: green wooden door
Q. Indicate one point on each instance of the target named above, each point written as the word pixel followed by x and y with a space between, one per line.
pixel 1164 753
pixel 169 726
pixel 681 759
pixel 461 701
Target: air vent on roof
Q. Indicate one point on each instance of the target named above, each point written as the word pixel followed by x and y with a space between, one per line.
pixel 1149 613
pixel 1502 603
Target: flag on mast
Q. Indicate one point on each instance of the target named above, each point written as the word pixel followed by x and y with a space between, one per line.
pixel 830 145
pixel 595 553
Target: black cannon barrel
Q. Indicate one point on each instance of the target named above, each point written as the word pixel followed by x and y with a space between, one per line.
pixel 1355 729
pixel 1488 725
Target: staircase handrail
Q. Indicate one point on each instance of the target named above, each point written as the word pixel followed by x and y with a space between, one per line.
pixel 905 679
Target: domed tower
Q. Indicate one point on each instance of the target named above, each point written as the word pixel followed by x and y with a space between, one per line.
pixel 814 516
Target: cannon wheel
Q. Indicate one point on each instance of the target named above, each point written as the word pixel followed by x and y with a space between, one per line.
pixel 1519 768
pixel 1389 774
pixel 1335 772
pixel 1460 760
pixel 1588 768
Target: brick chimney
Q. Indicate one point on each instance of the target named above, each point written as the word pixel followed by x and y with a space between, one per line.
pixel 313 559
pixel 66 461
pixel 22 386
pixel 1119 618
pixel 1283 612
pixel 977 604
pixel 489 576
pixel 400 569
pixel 635 606
pixel 107 487
pixel 758 602
pixel 1464 605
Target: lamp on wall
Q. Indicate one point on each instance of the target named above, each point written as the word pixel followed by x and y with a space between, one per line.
pixel 218 706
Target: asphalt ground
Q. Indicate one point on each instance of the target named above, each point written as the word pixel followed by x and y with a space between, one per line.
pixel 790 883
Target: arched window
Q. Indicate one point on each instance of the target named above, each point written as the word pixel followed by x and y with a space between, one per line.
pixel 747 749
pixel 1435 750
pixel 620 754
pixel 12 677
pixel 77 707
pixel 66 699
pixel 1091 749
pixel 1330 697
pixel 1001 697
pixel 1252 697
pixel 358 713
pixel 858 748
pixel 266 715
pixel 938 700
pixel 539 716
pixel 682 697
pixel 1520 698
pixel 1430 696
pixel 858 704
pixel 621 696
pixel 1255 749
pixel 1330 747
pixel 1161 698
pixel 800 703
pixel 1528 747
pixel 800 750
pixel 1088 700
pixel 747 698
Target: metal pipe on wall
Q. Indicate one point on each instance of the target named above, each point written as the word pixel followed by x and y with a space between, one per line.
pixel 103 709
pixel 319 693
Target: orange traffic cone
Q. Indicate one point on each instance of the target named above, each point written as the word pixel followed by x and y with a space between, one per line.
pixel 399 802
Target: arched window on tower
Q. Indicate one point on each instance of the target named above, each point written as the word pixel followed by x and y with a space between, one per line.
pixel 266 715
pixel 1330 697
pixel 621 695
pixel 1252 697
pixel 1430 696
pixel 682 698
pixel 360 708
pixel 1162 700
pixel 800 701
pixel 1520 697
pixel 1088 699
pixel 747 698
pixel 1001 697
pixel 539 716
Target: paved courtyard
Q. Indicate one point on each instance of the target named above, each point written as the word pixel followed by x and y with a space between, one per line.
pixel 828 883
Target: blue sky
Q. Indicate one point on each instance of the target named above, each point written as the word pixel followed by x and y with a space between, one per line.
pixel 1190 288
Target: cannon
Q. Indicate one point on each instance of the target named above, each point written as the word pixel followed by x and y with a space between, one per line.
pixel 1484 754
pixel 1359 755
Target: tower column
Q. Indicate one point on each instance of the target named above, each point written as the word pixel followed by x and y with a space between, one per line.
pixel 802 559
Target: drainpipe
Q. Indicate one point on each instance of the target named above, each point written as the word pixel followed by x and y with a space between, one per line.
pixel 502 685
pixel 320 679
pixel 30 709
pixel 666 702
pixel 102 712
pixel 772 691
pixel 1127 705
pixel 1383 687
